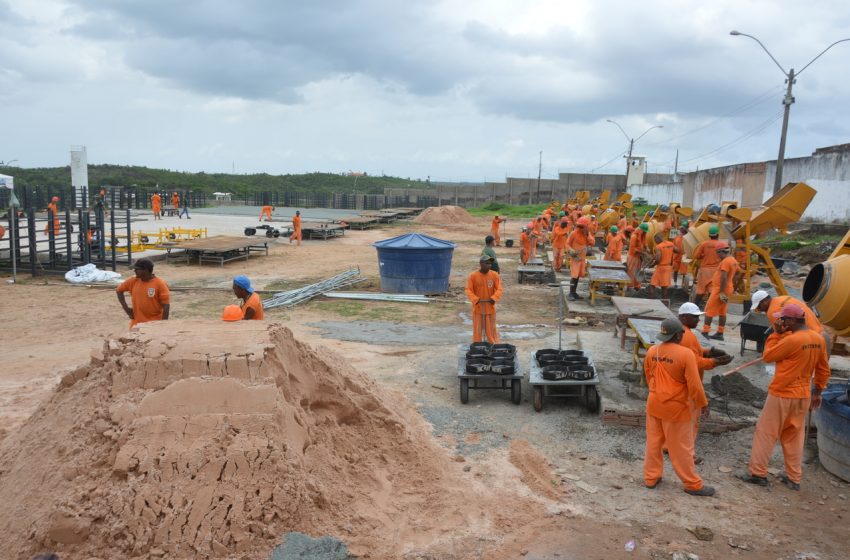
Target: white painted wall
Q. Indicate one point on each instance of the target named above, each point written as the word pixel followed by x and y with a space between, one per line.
pixel 658 194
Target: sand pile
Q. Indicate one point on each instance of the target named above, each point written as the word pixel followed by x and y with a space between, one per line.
pixel 193 439
pixel 445 215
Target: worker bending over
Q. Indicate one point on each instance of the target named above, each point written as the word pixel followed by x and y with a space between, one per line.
pixel 296 229
pixel 266 211
pixel 675 393
pixel 150 295
pixel 614 245
pixel 722 286
pixel 577 243
pixel 800 354
pixel 484 289
pixel 252 305
pixel 662 277
pixel 494 229
pixel 706 254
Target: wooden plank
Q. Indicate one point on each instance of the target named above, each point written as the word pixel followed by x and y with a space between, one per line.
pixel 646 330
pixel 608 275
pixel 643 307
pixel 219 243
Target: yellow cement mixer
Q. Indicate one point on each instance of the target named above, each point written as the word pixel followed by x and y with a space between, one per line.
pixel 826 292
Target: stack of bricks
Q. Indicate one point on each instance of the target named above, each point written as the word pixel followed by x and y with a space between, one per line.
pixel 637 419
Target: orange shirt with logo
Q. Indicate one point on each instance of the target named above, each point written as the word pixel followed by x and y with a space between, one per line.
pixel 730 266
pixel 483 286
pixel 778 302
pixel 666 250
pixel 674 382
pixel 706 253
pixel 148 298
pixel 254 302
pixel 798 355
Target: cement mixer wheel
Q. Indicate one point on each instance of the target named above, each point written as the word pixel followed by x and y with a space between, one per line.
pixel 464 391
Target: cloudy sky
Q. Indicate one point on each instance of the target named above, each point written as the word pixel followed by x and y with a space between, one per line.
pixel 466 90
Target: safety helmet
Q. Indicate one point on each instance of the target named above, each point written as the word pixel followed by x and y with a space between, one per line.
pixel 614 229
pixel 583 221
pixel 562 213
pixel 231 312
pixel 713 229
pixel 644 226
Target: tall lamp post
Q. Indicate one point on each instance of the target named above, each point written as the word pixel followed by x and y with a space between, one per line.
pixel 631 143
pixel 790 79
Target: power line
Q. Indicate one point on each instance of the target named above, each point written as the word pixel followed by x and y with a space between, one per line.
pixel 612 160
pixel 749 134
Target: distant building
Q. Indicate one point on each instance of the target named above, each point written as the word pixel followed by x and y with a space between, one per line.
pixel 222 196
pixel 356 173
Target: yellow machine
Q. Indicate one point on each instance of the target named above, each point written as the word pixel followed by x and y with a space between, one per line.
pixel 143 241
pixel 825 291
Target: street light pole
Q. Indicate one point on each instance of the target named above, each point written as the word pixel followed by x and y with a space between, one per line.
pixel 631 143
pixel 790 79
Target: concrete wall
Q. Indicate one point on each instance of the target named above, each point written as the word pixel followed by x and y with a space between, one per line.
pixel 828 172
pixel 664 193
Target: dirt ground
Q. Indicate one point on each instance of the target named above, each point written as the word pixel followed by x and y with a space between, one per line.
pixel 592 502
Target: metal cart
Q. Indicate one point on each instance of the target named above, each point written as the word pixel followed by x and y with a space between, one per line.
pixel 566 388
pixel 487 380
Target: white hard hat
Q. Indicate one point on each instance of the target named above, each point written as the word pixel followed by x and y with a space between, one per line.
pixel 689 308
pixel 759 296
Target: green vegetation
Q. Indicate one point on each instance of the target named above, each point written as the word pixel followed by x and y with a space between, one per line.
pixel 508 210
pixel 795 241
pixel 126 176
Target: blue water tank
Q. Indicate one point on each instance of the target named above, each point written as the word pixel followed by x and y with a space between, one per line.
pixel 414 264
pixel 833 422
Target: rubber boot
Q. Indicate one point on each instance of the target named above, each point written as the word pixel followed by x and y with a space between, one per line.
pixel 573 286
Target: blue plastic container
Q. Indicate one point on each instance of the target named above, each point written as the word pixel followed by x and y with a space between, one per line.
pixel 833 422
pixel 414 264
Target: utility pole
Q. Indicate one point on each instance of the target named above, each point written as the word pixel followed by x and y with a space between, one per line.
pixel 539 171
pixel 676 168
pixel 629 159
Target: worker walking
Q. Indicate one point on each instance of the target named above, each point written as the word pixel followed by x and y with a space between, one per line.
pixel 559 243
pixel 252 305
pixel 662 277
pixel 296 229
pixel 175 201
pixel 722 286
pixel 149 295
pixel 800 355
pixel 577 243
pixel 156 206
pixel 489 252
pixel 494 229
pixel 266 211
pixel 675 392
pixel 706 255
pixel 484 289
pixel 185 208
pixel 614 245
pixel 53 216
pixel 707 358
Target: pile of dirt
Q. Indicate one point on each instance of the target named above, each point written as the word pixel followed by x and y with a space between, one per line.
pixel 445 216
pixel 737 387
pixel 209 440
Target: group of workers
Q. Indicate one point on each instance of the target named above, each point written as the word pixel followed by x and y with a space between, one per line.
pixel 151 298
pixel 156 206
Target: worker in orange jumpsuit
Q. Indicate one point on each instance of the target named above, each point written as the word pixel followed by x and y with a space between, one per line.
pixel 614 245
pixel 494 229
pixel 577 243
pixel 559 243
pixel 53 214
pixel 156 206
pixel 637 246
pixel 662 277
pixel 770 305
pixel 593 226
pixel 252 305
pixel 722 286
pixel 296 229
pixel 707 358
pixel 537 230
pixel 679 267
pixel 706 254
pixel 525 242
pixel 175 201
pixel 622 223
pixel 150 295
pixel 675 392
pixel 546 222
pixel 800 355
pixel 484 289
pixel 266 211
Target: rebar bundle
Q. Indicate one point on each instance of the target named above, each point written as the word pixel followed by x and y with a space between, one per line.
pixel 294 297
pixel 372 296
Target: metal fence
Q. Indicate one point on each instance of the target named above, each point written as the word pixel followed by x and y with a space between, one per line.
pixel 118 198
pixel 338 201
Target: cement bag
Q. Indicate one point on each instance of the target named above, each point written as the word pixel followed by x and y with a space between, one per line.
pixel 89 273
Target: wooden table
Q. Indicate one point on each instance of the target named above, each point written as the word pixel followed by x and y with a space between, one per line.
pixel 640 308
pixel 600 277
pixel 611 265
pixel 532 273
pixel 221 248
pixel 645 332
pixel 319 230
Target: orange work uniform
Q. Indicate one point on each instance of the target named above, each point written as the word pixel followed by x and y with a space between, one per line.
pixel 633 260
pixel 537 230
pixel 524 247
pixel 678 265
pixel 156 204
pixel 494 229
pixel 715 306
pixel 662 277
pixel 777 303
pixel 57 227
pixel 484 286
pixel 175 201
pixel 689 341
pixel 593 227
pixel 621 225
pixel 577 242
pixel 675 391
pixel 798 355
pixel 266 211
pixel 709 261
pixel 254 302
pixel 296 230
pixel 559 243
pixel 148 298
pixel 614 247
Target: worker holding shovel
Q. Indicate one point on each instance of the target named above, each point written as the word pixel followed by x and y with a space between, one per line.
pixel 484 289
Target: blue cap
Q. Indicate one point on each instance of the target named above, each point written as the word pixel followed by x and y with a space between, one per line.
pixel 243 282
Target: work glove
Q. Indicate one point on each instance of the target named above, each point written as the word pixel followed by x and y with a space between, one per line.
pixel 573 253
pixel 722 360
pixel 724 298
pixel 715 352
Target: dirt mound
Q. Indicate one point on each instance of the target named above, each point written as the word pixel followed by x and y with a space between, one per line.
pixel 193 439
pixel 737 387
pixel 535 469
pixel 444 216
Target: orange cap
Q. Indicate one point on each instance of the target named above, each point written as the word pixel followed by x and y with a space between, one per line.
pixel 231 313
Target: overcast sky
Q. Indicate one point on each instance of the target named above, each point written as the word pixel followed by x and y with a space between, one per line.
pixel 466 90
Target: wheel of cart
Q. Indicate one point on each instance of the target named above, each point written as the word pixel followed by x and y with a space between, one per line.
pixel 584 390
pixel 488 380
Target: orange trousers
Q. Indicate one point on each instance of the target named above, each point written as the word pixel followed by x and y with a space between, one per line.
pixel 705 274
pixel 296 235
pixel 714 307
pixel 558 256
pixel 266 213
pixel 783 420
pixel 523 255
pixel 663 276
pixel 578 266
pixel 632 268
pixel 486 323
pixel 57 227
pixel 496 239
pixel 533 253
pixel 678 438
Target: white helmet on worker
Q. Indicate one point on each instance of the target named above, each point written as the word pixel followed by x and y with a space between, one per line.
pixel 759 296
pixel 689 308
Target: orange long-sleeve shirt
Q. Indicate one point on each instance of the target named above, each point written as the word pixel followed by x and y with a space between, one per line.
pixel 296 223
pixel 707 254
pixel 674 382
pixel 797 355
pixel 494 225
pixel 579 240
pixel 614 246
pixel 175 200
pixel 678 243
pixel 156 201
pixel 483 286
pixel 730 266
pixel 525 241
pixel 636 243
pixel 778 302
pixel 559 236
pixel 689 341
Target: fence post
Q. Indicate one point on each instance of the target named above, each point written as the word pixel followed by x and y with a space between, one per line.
pixel 33 247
